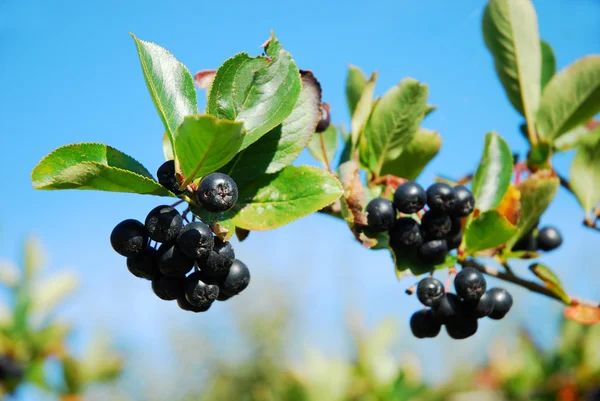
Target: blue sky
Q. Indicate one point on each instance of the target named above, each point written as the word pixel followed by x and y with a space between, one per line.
pixel 69 73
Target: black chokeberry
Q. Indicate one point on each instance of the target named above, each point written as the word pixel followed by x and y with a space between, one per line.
pixel 236 280
pixel 548 239
pixel 325 119
pixel 436 225
pixel 502 303
pixel 456 226
pixel 166 177
pixel 186 305
pixel 217 192
pixel 129 237
pixel 455 241
pixel 441 198
pixel 196 240
pixel 220 259
pixel 168 288
pixel 223 296
pixel 465 201
pixel 463 326
pixel 433 251
pixel 381 215
pixel 164 223
pixel 527 243
pixel 406 233
pixel 470 284
pixel 172 261
pixel 200 290
pixel 423 324
pixel 410 197
pixel 483 307
pixel 144 264
pixel 448 308
pixel 430 291
pixel 10 369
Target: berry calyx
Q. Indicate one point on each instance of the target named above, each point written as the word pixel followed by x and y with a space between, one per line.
pixel 436 225
pixel 430 291
pixel 405 234
pixel 381 215
pixel 166 177
pixel 220 259
pixel 424 325
pixel 186 305
pixel 196 240
pixel 441 198
pixel 236 280
pixel 502 303
pixel 433 252
pixel 199 290
pixel 168 288
pixel 470 284
pixel 144 264
pixel 129 237
pixel 465 201
pixel 217 192
pixel 410 197
pixel 163 223
pixel 325 119
pixel 548 239
pixel 172 261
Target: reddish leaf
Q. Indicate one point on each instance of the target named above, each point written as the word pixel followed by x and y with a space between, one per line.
pixel 510 206
pixel 583 314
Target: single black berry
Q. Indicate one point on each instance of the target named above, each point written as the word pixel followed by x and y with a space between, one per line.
pixel 223 296
pixel 441 198
pixel 172 261
pixel 502 303
pixel 406 233
pixel 448 308
pixel 166 177
pixel 144 265
pixel 424 325
pixel 10 369
pixel 381 215
pixel 196 240
pixel 483 307
pixel 186 305
pixel 470 284
pixel 325 120
pixel 164 223
pixel 549 238
pixel 455 241
pixel 526 243
pixel 430 291
pixel 220 259
pixel 433 251
pixel 217 192
pixel 465 201
pixel 168 288
pixel 236 280
pixel 410 197
pixel 200 290
pixel 129 237
pixel 436 225
pixel 463 326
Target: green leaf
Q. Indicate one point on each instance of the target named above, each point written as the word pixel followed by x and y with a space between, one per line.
pixel 548 63
pixel 204 144
pixel 571 139
pixel 168 147
pixel 429 109
pixel 273 200
pixel 510 31
pixel 362 110
pixel 259 92
pixel 394 122
pixel 415 156
pixel 571 98
pixel 489 230
pixel 493 174
pixel 170 84
pixel 408 261
pixel 585 173
pixel 220 223
pixel 551 280
pixel 355 84
pixel 94 166
pixel 324 145
pixel 282 145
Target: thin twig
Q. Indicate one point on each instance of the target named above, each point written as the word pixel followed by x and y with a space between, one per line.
pixel 564 182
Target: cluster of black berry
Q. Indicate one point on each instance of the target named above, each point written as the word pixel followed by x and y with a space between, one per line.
pixel 217 274
pixel 458 312
pixel 545 239
pixel 440 230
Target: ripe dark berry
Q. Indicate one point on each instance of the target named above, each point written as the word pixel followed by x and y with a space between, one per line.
pixel 196 240
pixel 430 291
pixel 465 201
pixel 129 237
pixel 454 242
pixel 172 261
pixel 381 214
pixel 448 308
pixel 144 265
pixel 220 259
pixel 470 284
pixel 200 290
pixel 549 238
pixel 217 192
pixel 483 307
pixel 406 233
pixel 441 198
pixel 222 296
pixel 502 303
pixel 168 288
pixel 526 243
pixel 424 325
pixel 410 197
pixel 456 226
pixel 186 305
pixel 436 225
pixel 463 326
pixel 325 120
pixel 236 280
pixel 164 223
pixel 433 252
pixel 166 177
pixel 10 369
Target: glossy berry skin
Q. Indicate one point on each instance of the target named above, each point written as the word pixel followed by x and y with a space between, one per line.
pixel 470 284
pixel 200 290
pixel 430 291
pixel 526 243
pixel 462 327
pixel 410 197
pixel 456 226
pixel 168 288
pixel 548 239
pixel 405 234
pixel 433 252
pixel 436 225
pixel 196 240
pixel 236 280
pixel 381 215
pixel 164 223
pixel 172 261
pixel 129 237
pixel 144 265
pixel 465 201
pixel 424 325
pixel 220 259
pixel 325 119
pixel 454 242
pixel 502 303
pixel 441 198
pixel 187 306
pixel 448 308
pixel 166 177
pixel 483 307
pixel 217 192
